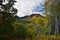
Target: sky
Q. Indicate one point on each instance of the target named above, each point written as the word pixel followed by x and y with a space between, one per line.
pixel 28 7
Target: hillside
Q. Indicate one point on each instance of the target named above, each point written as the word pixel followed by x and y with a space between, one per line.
pixel 34 17
pixel 34 24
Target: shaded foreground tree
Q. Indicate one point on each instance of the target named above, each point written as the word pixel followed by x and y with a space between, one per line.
pixel 20 28
pixel 7 17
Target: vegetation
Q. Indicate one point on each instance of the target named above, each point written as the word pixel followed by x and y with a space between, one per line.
pixel 7 17
pixel 33 27
pixel 53 13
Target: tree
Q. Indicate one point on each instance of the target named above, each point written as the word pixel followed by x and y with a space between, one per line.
pixel 21 29
pixel 51 7
pixel 7 16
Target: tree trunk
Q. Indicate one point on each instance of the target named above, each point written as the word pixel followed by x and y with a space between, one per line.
pixel 56 25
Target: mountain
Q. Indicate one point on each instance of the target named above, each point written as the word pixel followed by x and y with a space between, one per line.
pixel 30 16
pixel 34 23
pixel 34 19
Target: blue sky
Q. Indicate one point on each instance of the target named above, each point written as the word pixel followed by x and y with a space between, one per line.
pixel 28 7
pixel 39 8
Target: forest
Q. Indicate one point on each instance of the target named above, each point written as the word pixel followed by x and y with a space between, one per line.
pixel 31 27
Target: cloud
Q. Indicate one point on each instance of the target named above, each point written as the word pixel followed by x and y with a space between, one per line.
pixel 25 7
pixel 39 8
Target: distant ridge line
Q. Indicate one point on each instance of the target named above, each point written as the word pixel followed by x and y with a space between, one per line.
pixel 32 15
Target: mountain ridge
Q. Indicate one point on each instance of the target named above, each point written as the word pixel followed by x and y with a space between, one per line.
pixel 30 16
